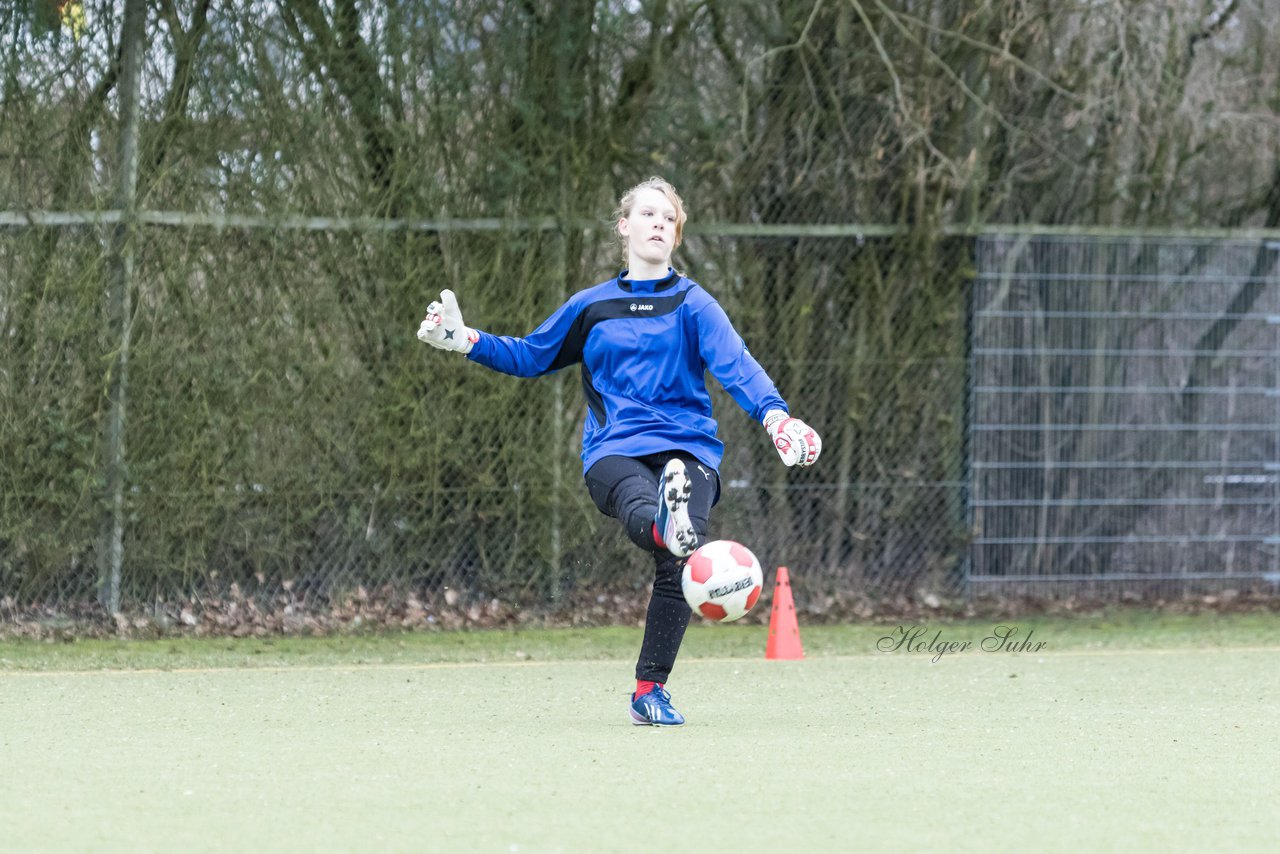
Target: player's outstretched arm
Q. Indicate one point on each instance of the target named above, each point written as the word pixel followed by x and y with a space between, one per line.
pixel 798 444
pixel 443 326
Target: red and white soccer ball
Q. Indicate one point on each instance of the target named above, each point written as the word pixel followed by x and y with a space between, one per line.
pixel 722 580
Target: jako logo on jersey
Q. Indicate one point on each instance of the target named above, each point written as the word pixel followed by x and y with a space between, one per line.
pixel 641 307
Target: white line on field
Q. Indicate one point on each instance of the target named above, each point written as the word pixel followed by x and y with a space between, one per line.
pixel 452 665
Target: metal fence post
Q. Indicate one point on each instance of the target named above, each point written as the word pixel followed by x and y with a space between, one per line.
pixel 967 418
pixel 119 309
pixel 560 254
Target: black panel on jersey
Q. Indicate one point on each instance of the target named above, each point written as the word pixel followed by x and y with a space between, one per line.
pixel 642 305
pixel 595 400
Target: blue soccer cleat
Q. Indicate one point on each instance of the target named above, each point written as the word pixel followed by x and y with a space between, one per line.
pixel 654 709
pixel 672 521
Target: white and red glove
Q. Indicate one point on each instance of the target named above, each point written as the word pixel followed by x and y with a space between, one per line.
pixel 798 444
pixel 443 326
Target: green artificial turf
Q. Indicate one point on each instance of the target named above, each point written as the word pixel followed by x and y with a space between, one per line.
pixel 1124 732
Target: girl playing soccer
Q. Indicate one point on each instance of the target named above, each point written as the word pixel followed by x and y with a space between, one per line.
pixel 650 457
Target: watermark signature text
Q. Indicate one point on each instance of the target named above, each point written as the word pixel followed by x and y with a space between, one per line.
pixel 921 639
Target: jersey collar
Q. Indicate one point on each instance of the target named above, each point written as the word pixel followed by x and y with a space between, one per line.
pixel 647 286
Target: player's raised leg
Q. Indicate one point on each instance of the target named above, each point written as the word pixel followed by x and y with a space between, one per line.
pixel 673 527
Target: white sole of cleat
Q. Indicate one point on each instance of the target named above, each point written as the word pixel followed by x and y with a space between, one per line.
pixel 637 720
pixel 679 535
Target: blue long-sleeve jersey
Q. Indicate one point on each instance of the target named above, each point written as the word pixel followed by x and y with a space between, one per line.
pixel 645 348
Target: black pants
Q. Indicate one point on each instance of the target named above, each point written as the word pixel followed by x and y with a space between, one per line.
pixel 626 488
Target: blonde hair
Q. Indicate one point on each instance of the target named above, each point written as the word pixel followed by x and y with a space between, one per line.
pixel 628 201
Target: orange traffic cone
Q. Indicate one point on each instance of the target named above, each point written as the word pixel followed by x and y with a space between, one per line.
pixel 784 631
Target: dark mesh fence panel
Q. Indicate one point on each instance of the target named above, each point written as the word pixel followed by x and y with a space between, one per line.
pixel 310 175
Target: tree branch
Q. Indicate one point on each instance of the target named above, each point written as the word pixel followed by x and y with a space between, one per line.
pixel 186 50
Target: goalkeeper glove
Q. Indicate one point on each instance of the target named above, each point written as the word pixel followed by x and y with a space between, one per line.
pixel 798 444
pixel 443 326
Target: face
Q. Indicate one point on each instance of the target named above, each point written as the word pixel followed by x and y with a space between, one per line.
pixel 650 227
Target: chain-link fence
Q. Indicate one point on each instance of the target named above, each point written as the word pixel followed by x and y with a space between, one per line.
pixel 290 437
pixel 1125 413
pixel 1091 412
pixel 220 223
